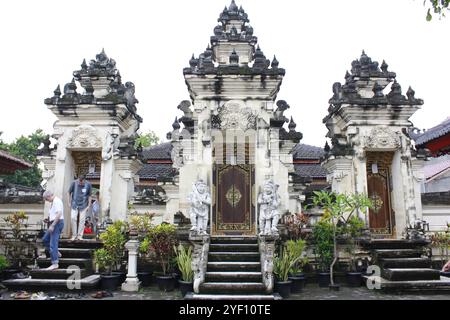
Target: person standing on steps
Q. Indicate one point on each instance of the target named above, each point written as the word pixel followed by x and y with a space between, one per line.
pixel 80 201
pixel 56 225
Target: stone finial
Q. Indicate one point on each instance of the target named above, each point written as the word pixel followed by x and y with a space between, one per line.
pixel 176 124
pixel 234 57
pixel 327 148
pixel 292 125
pixel 57 92
pixel 84 65
pixel 275 63
pixel 70 88
pixel 233 7
pixel 384 67
pixel 410 94
pixel 193 62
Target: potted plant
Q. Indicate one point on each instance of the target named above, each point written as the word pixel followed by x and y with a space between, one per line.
pixel 323 250
pixel 338 208
pixel 441 240
pixel 161 240
pixel 353 229
pixel 283 262
pixel 184 263
pixel 4 263
pixel 143 224
pixel 109 257
pixel 14 242
pixel 295 249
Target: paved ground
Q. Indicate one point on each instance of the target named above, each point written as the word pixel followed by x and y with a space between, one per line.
pixel 311 292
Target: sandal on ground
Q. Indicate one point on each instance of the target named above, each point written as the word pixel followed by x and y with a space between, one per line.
pixel 22 295
pixel 97 295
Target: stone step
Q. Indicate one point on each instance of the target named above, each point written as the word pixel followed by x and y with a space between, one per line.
pixel 240 247
pixel 233 240
pixel 233 256
pixel 83 263
pixel 412 274
pixel 398 253
pixel 405 263
pixel 233 276
pixel 76 252
pixel 438 286
pixel 232 287
pixel 194 296
pixel 81 244
pixel 89 282
pixel 233 266
pixel 394 244
pixel 58 273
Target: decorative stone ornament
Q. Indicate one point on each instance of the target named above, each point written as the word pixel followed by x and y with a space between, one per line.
pixel 382 138
pixel 84 136
pixel 199 200
pixel 269 201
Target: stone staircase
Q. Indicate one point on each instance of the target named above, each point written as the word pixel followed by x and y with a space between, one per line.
pixel 76 257
pixel 233 271
pixel 405 266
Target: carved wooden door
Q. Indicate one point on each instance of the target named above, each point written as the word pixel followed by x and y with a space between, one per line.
pixel 233 212
pixel 380 221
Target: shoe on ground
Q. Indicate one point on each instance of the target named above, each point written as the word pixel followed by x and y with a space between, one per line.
pixel 52 267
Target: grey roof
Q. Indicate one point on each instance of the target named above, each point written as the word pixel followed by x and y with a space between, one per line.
pixel 307 152
pixel 159 152
pixel 155 171
pixel 310 170
pixel 434 133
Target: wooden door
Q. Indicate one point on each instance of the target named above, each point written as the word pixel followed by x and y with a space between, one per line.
pixel 380 221
pixel 233 212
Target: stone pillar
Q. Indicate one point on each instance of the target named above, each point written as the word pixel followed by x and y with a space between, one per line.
pixel 199 258
pixel 132 282
pixel 267 250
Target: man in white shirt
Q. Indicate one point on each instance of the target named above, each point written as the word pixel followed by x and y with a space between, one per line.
pixel 56 222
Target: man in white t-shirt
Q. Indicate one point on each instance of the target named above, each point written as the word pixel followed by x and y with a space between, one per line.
pixel 56 225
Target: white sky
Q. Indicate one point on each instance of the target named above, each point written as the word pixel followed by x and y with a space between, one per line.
pixel 43 42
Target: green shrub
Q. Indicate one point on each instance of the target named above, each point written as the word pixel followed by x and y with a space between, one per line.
pixel 295 249
pixel 184 262
pixel 4 263
pixel 323 236
pixel 161 240
pixel 110 256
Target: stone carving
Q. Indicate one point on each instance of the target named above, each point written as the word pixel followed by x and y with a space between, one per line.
pixel 84 137
pixel 269 201
pixel 199 259
pixel 232 116
pixel 200 200
pixel 382 138
pixel 267 249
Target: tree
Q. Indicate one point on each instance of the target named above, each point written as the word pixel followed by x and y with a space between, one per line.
pixel 436 7
pixel 26 149
pixel 147 140
pixel 338 210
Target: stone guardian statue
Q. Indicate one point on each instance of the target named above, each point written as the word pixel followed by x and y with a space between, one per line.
pixel 269 201
pixel 200 200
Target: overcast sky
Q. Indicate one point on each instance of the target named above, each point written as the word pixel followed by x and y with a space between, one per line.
pixel 43 42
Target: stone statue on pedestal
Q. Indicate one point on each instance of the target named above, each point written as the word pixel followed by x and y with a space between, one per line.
pixel 200 200
pixel 269 201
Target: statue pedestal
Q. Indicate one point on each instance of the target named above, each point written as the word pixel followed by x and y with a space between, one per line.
pixel 132 282
pixel 267 250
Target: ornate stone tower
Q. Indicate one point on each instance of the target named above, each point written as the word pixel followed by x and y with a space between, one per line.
pixel 371 149
pixel 95 134
pixel 233 135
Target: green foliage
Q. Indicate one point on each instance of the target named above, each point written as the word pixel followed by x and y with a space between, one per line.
pixel 436 7
pixel 4 263
pixel 141 223
pixel 284 261
pixel 295 249
pixel 147 140
pixel 184 262
pixel 339 209
pixel 323 236
pixel 441 240
pixel 161 240
pixel 15 246
pixel 352 230
pixel 26 149
pixel 114 238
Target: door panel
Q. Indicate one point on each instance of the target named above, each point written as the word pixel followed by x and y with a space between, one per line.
pixel 232 209
pixel 379 193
